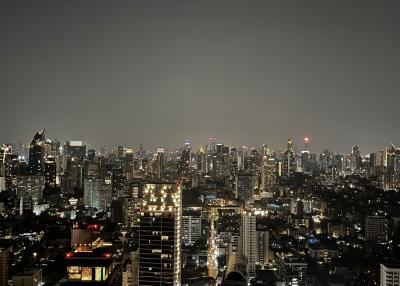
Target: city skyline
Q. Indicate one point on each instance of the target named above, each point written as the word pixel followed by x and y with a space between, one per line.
pixel 299 144
pixel 248 73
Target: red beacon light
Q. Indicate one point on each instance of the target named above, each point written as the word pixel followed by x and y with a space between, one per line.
pixel 106 255
pixel 69 254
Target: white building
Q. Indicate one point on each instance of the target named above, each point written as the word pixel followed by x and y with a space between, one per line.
pixel 191 229
pixel 390 274
pixel 248 242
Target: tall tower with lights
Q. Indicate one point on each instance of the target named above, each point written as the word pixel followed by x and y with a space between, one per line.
pixel 289 159
pixel 160 234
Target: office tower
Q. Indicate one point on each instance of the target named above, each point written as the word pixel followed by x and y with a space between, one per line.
pixel 244 187
pixel 191 227
pixel 355 159
pixel 376 228
pixel 219 147
pixel 36 154
pixel 305 157
pixel 268 170
pixel 240 158
pixel 292 267
pixel 202 160
pixel 160 234
pixel 118 181
pixel 253 163
pixel 91 154
pixel 50 171
pixel 263 246
pixel 289 159
pixel 2 183
pixel 248 241
pixel 129 212
pixel 185 161
pixel 30 186
pixel 4 256
pixel 211 144
pixel 390 274
pixel 120 152
pixel 97 194
pixel 75 149
pixel 161 161
pixel 326 160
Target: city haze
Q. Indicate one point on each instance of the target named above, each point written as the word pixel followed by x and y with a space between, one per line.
pixel 161 72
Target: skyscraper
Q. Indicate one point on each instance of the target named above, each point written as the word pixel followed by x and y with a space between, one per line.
pixel 248 241
pixel 212 144
pixel 36 154
pixel 4 256
pixel 160 235
pixel 355 159
pixel 289 159
pixel 376 228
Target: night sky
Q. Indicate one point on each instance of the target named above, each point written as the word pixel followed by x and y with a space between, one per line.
pixel 161 72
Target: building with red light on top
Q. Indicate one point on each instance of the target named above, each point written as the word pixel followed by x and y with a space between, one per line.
pixel 91 260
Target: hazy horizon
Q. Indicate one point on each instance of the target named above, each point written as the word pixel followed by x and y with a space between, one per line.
pixel 161 72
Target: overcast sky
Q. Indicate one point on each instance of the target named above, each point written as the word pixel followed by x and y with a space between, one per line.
pixel 161 72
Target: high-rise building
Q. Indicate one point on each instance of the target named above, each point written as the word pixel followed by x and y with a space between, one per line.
pixel 248 241
pixel 355 159
pixel 97 194
pixel 244 187
pixel 390 274
pixel 4 259
pixel 36 154
pixel 160 163
pixel 241 152
pixel 75 149
pixel 160 234
pixel 30 186
pixel 289 159
pixel 263 246
pixel 50 171
pixel 292 267
pixel 91 154
pixel 268 170
pixel 211 143
pixel 376 228
pixel 191 228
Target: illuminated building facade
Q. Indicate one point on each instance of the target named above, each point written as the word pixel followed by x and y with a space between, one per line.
pixel 248 242
pixel 289 159
pixel 390 274
pixel 160 234
pixel 191 228
pixel 91 259
pixel 36 154
pixel 244 187
pixel 376 228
